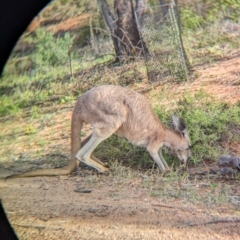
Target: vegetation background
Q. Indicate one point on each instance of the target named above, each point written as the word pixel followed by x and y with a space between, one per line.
pixel 67 50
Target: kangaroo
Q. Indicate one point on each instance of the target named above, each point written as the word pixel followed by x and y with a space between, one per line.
pixel 115 109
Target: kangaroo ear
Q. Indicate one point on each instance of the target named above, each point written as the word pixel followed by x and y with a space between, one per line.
pixel 180 124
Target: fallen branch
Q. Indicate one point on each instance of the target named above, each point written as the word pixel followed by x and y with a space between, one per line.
pixel 162 205
pixel 29 226
pixel 223 220
pixel 36 226
pixel 169 206
pixel 149 88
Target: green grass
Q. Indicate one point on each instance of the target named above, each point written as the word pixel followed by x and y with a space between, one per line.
pixel 44 77
pixel 176 185
pixel 45 73
pixel 210 124
pixel 206 35
pixel 208 44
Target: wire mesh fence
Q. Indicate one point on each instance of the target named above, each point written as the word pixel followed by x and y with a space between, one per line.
pixel 100 56
pixel 166 58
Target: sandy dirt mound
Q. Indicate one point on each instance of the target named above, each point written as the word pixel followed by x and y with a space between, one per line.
pixel 221 80
pixel 70 24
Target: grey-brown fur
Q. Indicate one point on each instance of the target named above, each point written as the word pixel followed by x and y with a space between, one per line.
pixel 114 109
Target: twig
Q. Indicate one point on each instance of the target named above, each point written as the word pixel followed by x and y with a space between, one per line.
pixel 29 226
pixel 70 62
pixel 223 220
pixel 100 56
pixel 162 205
pixel 35 226
pixel 147 89
pixel 169 206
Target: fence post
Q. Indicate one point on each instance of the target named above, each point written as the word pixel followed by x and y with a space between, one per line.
pixel 175 24
pixel 141 39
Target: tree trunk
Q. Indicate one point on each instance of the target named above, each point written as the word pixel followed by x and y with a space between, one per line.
pixel 124 30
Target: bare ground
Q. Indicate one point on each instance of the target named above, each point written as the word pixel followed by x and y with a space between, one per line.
pixel 127 205
pixel 49 208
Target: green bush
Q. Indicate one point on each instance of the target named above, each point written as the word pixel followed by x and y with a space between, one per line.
pixel 210 123
pixel 222 9
pixel 190 19
pixel 51 50
pixel 8 107
pixel 209 11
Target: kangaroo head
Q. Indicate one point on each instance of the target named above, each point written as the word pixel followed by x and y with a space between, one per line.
pixel 182 148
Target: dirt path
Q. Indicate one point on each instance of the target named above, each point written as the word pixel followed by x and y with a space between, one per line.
pixel 221 80
pixel 49 208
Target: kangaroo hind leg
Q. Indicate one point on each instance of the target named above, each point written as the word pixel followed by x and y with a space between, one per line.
pixel 108 119
pixel 84 154
pixel 93 158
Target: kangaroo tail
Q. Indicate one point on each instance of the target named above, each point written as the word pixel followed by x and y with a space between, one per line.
pixel 76 127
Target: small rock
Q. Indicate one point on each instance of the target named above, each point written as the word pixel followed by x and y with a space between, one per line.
pixel 227 171
pixel 82 190
pixel 145 177
pixel 228 161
